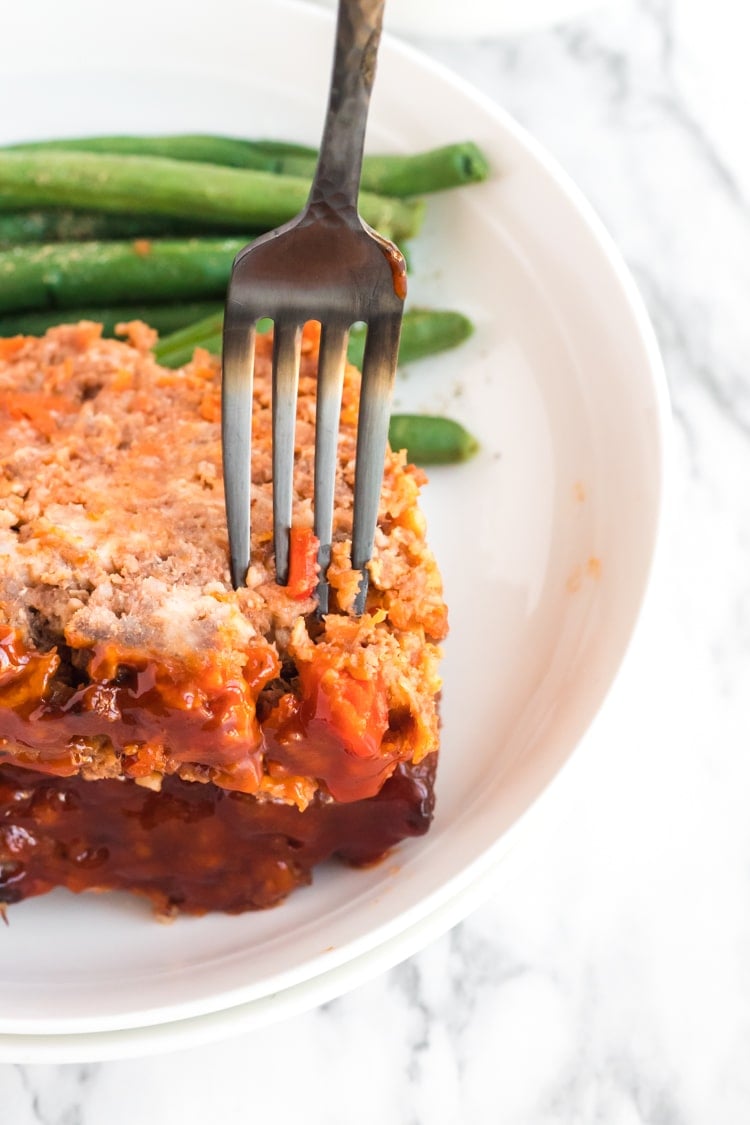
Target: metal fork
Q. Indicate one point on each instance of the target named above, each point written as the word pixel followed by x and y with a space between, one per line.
pixel 325 265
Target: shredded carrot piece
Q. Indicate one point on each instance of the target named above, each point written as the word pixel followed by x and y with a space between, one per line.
pixel 10 345
pixel 210 407
pixel 145 760
pixel 303 562
pixel 86 334
pixel 40 410
pixel 311 337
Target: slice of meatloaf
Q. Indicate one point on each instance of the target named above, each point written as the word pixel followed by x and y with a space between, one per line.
pixel 125 654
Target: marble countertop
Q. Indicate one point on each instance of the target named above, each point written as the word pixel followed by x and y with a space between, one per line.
pixel 607 978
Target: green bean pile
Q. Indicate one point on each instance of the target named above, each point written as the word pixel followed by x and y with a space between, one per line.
pixel 119 228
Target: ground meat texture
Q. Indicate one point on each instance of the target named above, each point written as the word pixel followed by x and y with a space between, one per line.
pixel 125 654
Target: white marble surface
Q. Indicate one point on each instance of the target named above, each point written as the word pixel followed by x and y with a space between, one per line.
pixel 607 979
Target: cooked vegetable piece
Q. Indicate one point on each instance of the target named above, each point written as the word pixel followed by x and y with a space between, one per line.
pixel 177 348
pixel 430 439
pixel 63 224
pixel 423 332
pixel 66 275
pixel 303 562
pixel 392 174
pixel 177 188
pixel 165 318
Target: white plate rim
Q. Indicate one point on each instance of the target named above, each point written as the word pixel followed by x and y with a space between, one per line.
pixel 437 904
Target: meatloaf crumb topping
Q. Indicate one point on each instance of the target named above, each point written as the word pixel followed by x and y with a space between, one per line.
pixel 124 650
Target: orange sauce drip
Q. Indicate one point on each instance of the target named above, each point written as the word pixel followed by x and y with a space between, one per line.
pixel 397 262
pixel 334 730
pixel 157 718
pixel 145 708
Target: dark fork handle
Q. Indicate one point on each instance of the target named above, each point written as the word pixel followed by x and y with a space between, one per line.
pixel 337 175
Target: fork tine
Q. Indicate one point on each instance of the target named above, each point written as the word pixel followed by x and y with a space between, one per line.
pixel 236 413
pixel 287 342
pixel 333 343
pixel 378 371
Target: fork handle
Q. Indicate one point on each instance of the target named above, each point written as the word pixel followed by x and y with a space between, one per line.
pixel 339 167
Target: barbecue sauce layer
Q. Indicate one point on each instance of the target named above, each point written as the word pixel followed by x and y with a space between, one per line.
pixel 191 848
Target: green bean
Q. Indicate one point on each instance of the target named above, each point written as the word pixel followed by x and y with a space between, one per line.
pixel 64 224
pixel 201 148
pixel 179 355
pixel 412 174
pixel 177 188
pixel 392 174
pixel 430 439
pixel 423 332
pixel 165 318
pixel 67 275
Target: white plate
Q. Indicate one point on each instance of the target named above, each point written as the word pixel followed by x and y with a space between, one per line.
pixel 545 539
pixel 195 1031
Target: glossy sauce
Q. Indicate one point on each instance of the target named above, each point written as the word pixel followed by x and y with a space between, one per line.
pixel 334 712
pixel 191 848
pixel 155 719
pixel 397 263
